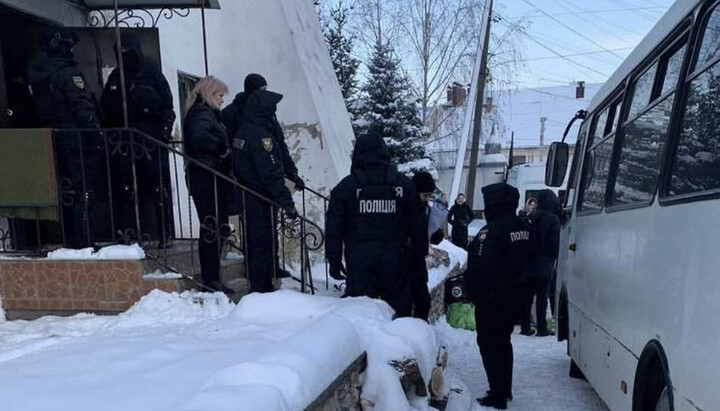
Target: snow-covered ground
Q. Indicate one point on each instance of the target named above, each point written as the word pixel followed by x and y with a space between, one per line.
pixel 541 381
pixel 200 352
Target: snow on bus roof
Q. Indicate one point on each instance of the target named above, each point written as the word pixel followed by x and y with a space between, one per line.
pixel 677 12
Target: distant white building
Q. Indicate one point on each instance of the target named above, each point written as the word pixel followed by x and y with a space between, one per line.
pixel 536 117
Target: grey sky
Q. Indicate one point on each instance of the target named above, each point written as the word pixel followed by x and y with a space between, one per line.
pixel 615 25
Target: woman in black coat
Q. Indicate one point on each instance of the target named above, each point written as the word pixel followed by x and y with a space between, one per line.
pixel 206 141
pixel 459 218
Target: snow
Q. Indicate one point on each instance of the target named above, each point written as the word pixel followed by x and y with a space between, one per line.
pixel 274 351
pixel 540 382
pixel 159 275
pixel 458 260
pixel 113 252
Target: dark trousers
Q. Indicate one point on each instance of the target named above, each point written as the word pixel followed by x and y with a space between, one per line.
pixel 261 244
pixel 460 235
pixel 539 290
pixel 76 170
pixel 419 293
pixel 379 275
pixel 154 199
pixel 208 194
pixel 495 319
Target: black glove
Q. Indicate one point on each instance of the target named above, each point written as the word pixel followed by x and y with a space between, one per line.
pixel 290 213
pixel 299 183
pixel 337 271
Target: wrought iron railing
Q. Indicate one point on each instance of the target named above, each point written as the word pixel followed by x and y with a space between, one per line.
pixel 121 186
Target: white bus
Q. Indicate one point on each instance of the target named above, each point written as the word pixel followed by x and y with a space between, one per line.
pixel 639 272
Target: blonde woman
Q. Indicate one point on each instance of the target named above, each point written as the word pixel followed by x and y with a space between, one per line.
pixel 206 141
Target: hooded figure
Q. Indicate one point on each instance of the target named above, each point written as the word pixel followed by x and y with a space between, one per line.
pixel 60 94
pixel 374 214
pixel 62 100
pixel 259 166
pixel 149 100
pixel 150 110
pixel 545 247
pixel 495 280
pixel 233 116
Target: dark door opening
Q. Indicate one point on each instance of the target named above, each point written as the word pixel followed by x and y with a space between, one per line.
pixel 95 55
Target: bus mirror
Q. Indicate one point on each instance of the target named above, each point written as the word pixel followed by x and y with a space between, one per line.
pixel 557 162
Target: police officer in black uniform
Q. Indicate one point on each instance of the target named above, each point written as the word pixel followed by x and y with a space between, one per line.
pixel 259 165
pixel 62 100
pixel 372 214
pixel 232 118
pixel 496 280
pixel 417 267
pixel 150 110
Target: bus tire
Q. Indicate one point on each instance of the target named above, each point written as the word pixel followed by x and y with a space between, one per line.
pixel 575 371
pixel 653 388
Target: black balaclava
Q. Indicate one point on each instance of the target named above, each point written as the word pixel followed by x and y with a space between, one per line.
pixel 58 42
pixel 132 55
pixel 253 82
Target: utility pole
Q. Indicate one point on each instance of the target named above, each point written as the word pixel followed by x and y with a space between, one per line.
pixel 480 97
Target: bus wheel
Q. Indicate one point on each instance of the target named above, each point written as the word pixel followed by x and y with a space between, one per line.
pixel 575 371
pixel 663 403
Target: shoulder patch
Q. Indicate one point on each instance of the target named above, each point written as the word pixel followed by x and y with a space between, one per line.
pixel 482 235
pixel 267 143
pixel 79 82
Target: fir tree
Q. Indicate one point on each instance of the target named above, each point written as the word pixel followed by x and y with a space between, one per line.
pixel 340 44
pixel 387 108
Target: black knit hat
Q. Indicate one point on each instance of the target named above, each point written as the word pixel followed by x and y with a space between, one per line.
pixel 424 182
pixel 253 82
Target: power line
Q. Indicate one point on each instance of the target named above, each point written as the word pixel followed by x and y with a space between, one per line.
pixel 587 53
pixel 541 44
pixel 591 21
pixel 572 29
pixel 604 11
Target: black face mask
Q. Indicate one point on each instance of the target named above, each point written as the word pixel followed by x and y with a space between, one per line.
pixel 131 61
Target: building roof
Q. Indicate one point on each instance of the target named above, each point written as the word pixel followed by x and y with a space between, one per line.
pixel 149 4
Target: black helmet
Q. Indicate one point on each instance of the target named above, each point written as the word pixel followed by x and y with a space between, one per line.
pixel 58 39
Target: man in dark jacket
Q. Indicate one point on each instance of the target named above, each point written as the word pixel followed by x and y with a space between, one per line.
pixel 62 100
pixel 259 166
pixel 495 281
pixel 150 110
pixel 460 217
pixel 546 242
pixel 232 117
pixel 374 213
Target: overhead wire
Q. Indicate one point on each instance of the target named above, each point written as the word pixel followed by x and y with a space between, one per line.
pixel 573 30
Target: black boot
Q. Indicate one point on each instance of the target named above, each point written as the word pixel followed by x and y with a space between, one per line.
pixel 528 332
pixel 492 401
pixel 218 286
pixel 509 396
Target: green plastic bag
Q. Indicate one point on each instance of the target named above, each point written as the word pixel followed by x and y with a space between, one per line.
pixel 461 315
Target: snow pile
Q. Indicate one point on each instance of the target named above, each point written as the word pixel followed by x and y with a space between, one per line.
pixel 275 351
pixel 458 260
pixel 113 252
pixel 159 275
pixel 2 311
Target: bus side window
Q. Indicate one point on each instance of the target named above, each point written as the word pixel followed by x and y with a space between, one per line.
pixel 596 168
pixel 696 165
pixel 569 196
pixel 644 137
